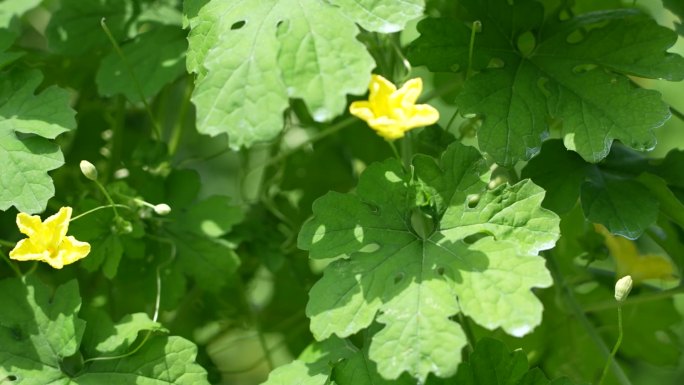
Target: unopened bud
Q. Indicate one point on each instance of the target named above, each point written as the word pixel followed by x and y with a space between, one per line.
pixel 162 209
pixel 622 288
pixel 88 170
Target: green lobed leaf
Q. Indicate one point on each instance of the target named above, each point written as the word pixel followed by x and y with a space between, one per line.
pixel 480 260
pixel 40 331
pixel 27 121
pixel 161 360
pixel 9 9
pixel 43 331
pixel 491 363
pixel 196 228
pixel 156 57
pixel 74 29
pixel 615 193
pixel 533 71
pixel 252 56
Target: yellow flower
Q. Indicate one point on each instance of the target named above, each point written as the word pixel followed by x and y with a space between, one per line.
pixel 392 112
pixel 629 261
pixel 47 241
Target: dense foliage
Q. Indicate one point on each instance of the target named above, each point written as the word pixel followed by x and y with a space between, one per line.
pixel 243 192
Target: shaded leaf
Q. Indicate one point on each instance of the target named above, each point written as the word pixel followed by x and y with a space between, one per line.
pixel 156 57
pixel 554 70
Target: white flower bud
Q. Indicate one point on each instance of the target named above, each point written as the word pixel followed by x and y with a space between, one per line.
pixel 88 170
pixel 622 288
pixel 162 209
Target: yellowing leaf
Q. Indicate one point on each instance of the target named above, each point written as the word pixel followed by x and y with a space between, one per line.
pixel 629 261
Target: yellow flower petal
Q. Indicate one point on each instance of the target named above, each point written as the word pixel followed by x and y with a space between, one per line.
pixel 391 112
pixel 47 241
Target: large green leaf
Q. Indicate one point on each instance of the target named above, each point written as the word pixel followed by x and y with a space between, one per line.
pixel 251 56
pixel 534 71
pixel 156 57
pixel 421 248
pixel 27 121
pixel 43 331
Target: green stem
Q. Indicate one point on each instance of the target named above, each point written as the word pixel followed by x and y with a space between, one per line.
pixel 567 295
pixel 477 25
pixel 678 114
pixel 97 209
pixel 254 318
pixel 7 243
pixel 394 150
pixel 14 268
pixel 641 298
pixel 615 348
pixel 129 68
pixel 177 131
pixel 108 197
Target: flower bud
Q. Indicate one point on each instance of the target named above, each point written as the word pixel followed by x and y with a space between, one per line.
pixel 88 170
pixel 622 288
pixel 162 209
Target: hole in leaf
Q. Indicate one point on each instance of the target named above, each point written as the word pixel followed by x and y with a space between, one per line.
pixel 12 377
pixel 495 62
pixel 575 36
pixel 473 200
pixel 526 43
pixel 472 238
pixel 282 27
pixel 369 248
pixel 398 278
pixel 237 25
pixel 583 68
pixel 16 333
pixel 375 210
pixel 440 270
pixel 541 84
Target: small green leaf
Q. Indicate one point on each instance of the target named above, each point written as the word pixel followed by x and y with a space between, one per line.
pixel 480 260
pixel 27 121
pixel 160 361
pixel 252 56
pixel 157 57
pixel 493 364
pixel 314 366
pixel 108 339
